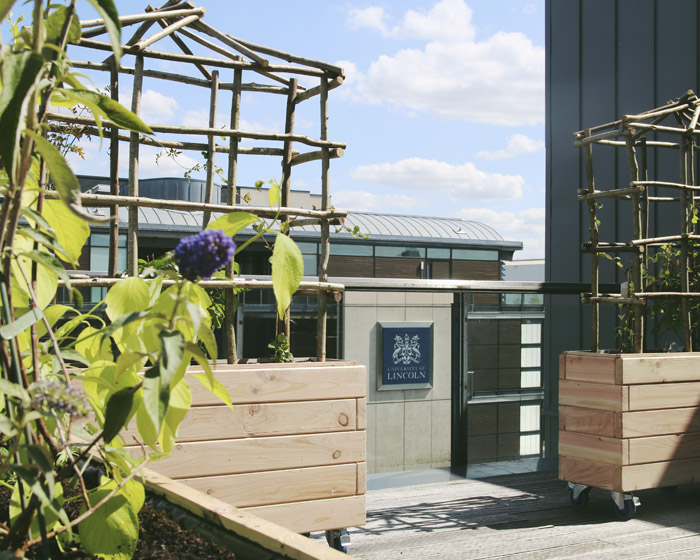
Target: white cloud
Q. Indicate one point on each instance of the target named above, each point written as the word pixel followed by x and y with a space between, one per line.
pixel 462 181
pixel 150 165
pixel 518 144
pixel 373 18
pixel 155 106
pixel 498 80
pixel 526 225
pixel 448 20
pixel 363 201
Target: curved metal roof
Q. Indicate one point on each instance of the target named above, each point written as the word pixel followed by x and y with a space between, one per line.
pixel 394 225
pixel 392 228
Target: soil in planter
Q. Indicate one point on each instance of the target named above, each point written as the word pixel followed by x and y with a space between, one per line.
pixel 160 538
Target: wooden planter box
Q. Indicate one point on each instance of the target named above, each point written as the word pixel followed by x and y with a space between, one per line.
pixel 248 536
pixel 292 451
pixel 629 421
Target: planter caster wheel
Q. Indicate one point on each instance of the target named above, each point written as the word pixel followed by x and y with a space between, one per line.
pixel 579 495
pixel 625 505
pixel 338 539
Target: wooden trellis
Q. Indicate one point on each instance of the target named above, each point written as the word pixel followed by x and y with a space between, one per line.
pixel 670 127
pixel 275 73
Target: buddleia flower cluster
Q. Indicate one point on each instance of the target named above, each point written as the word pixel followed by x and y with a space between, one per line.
pixel 56 397
pixel 200 256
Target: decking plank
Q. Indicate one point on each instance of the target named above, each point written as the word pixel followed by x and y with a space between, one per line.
pixel 525 517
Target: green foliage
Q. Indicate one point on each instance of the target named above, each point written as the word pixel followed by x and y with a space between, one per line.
pixel 153 329
pixel 665 276
pixel 59 364
pixel 280 349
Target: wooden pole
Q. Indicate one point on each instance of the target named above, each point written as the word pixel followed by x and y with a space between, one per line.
pixel 230 297
pixel 113 175
pixel 637 264
pixel 593 228
pixel 685 229
pixel 284 324
pixel 321 328
pixel 133 231
pixel 211 152
pixel 185 49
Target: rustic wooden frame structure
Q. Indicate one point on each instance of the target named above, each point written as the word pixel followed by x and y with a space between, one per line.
pixel 183 22
pixel 632 133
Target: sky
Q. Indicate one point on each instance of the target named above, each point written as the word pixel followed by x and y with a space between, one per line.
pixel 442 108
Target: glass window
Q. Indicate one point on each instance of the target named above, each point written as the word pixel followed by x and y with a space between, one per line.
pixel 307 248
pixel 413 252
pixel 102 240
pixel 99 259
pixel 310 266
pixel 353 250
pixel 435 253
pixel 474 255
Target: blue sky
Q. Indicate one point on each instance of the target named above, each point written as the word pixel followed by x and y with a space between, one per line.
pixel 442 109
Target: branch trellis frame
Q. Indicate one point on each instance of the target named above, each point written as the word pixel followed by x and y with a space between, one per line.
pixel 275 73
pixel 639 135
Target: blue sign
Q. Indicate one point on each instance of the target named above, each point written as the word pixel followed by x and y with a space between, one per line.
pixel 406 355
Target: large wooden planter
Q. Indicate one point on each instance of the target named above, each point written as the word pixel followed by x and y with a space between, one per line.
pixel 293 449
pixel 629 421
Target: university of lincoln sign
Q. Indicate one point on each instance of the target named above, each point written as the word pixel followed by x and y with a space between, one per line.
pixel 405 355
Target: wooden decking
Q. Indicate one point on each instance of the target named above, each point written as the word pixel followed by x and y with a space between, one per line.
pixel 524 516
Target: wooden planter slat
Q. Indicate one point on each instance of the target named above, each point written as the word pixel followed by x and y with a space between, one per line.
pixel 265 383
pixel 274 487
pixel 293 447
pixel 317 515
pixel 630 369
pixel 620 429
pixel 232 456
pixel 276 419
pixel 629 478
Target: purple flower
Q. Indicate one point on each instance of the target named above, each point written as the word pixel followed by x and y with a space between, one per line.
pixel 201 255
pixel 56 397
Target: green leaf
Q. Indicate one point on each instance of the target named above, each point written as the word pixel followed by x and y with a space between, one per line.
pixel 206 336
pixel 71 231
pixel 5 7
pixel 274 194
pixel 51 263
pixel 156 395
pixel 104 106
pixel 233 223
pixel 20 324
pixel 216 388
pixel 113 530
pixel 34 219
pixel 108 13
pixel 92 346
pixel 42 238
pixel 129 295
pixel 64 179
pixel 46 281
pixel 287 271
pixel 54 26
pixel 122 322
pixel 13 390
pixel 172 354
pixel 52 313
pixel 117 412
pixel 20 72
pixel 180 402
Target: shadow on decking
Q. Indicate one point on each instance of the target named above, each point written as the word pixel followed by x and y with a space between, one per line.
pixel 509 503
